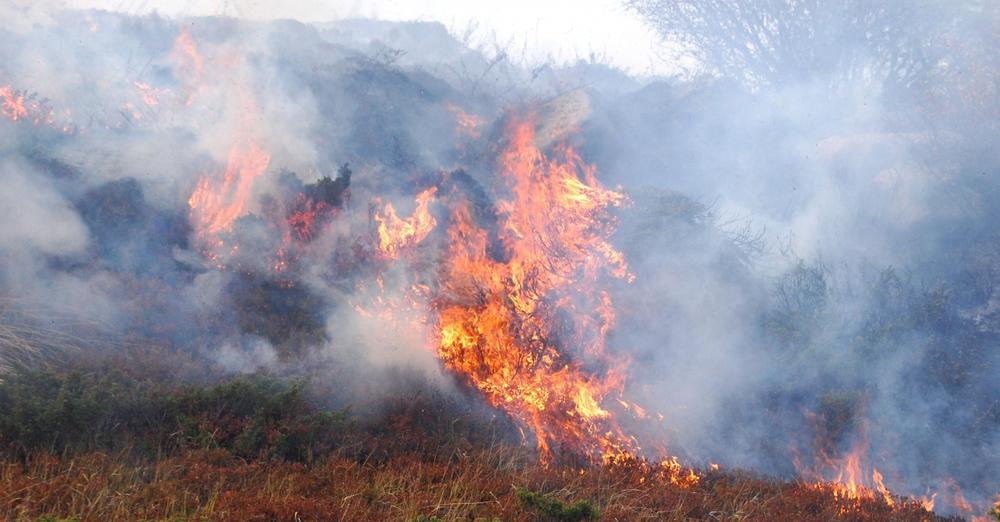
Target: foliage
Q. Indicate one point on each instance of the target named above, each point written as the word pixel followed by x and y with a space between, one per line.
pixel 254 417
pixel 774 42
pixel 800 299
pixel 556 510
pixel 331 191
pixel 105 444
pixel 286 315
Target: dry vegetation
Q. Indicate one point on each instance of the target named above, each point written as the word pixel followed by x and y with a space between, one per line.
pixel 483 485
pixel 109 442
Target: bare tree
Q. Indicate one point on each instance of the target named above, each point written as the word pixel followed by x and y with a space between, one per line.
pixel 883 43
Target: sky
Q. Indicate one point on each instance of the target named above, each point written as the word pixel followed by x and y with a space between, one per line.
pixel 562 30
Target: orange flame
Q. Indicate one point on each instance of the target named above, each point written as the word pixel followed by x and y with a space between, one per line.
pixel 928 502
pixel 845 476
pixel 150 95
pixel 18 105
pixel 13 103
pixel 215 206
pixel 186 52
pixel 396 234
pixel 466 124
pixel 190 63
pixel 499 319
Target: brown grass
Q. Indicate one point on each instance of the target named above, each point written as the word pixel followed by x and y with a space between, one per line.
pixel 213 485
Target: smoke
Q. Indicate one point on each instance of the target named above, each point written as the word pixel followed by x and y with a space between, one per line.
pixel 813 252
pixel 856 214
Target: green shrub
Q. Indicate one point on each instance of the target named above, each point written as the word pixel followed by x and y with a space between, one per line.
pixel 556 510
pixel 252 417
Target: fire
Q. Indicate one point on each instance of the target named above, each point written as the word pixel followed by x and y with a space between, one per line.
pixel 928 502
pixel 186 52
pixel 17 105
pixel 216 205
pixel 22 106
pixel 304 221
pixel 13 103
pixel 466 124
pixel 395 233
pixel 190 64
pixel 846 476
pixel 150 95
pixel 527 328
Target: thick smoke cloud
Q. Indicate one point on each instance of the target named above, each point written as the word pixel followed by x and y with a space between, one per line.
pixel 814 254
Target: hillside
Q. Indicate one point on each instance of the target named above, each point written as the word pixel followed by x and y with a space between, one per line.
pixel 364 269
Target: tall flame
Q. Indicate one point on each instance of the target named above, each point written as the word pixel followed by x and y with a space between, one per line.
pixel 395 233
pixel 191 64
pixel 528 330
pixel 216 205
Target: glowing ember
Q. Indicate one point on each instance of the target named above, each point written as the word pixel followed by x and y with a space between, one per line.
pixel 395 234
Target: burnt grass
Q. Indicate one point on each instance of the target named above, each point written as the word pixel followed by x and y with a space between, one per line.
pixel 116 440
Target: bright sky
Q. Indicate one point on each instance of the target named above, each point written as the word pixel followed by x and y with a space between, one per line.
pixel 559 29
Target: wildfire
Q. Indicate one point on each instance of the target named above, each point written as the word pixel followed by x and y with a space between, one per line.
pixel 395 233
pixel 13 103
pixel 18 105
pixel 466 124
pixel 304 221
pixel 528 329
pixel 186 51
pixel 190 63
pixel 216 205
pixel 846 476
pixel 150 95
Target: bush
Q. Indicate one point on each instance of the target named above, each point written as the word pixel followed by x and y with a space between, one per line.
pixel 556 510
pixel 251 417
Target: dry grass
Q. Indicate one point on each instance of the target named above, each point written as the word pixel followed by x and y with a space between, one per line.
pixel 33 335
pixel 212 485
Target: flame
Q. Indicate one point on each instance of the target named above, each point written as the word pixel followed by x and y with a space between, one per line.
pixel 190 64
pixel 466 124
pixel 150 95
pixel 880 487
pixel 396 234
pixel 928 502
pixel 186 52
pixel 528 330
pixel 216 205
pixel 17 105
pixel 304 221
pixel 13 103
pixel 22 106
pixel 846 476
